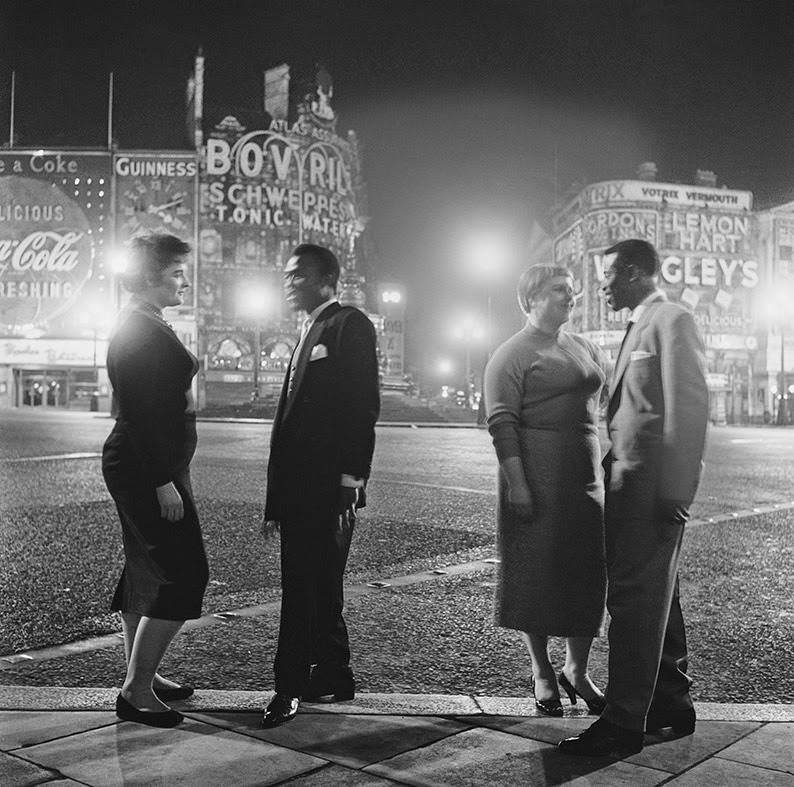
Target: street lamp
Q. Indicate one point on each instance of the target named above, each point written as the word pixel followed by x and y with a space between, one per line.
pixel 255 301
pixel 97 315
pixel 485 256
pixel 468 330
pixel 778 303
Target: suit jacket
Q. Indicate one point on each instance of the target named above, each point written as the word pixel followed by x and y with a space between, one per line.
pixel 326 426
pixel 657 413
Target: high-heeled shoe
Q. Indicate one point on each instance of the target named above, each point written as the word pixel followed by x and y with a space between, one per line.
pixel 549 707
pixel 166 718
pixel 595 705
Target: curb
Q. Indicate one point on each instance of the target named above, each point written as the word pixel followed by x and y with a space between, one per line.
pixel 58 698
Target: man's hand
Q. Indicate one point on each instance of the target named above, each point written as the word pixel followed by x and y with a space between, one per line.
pixel 348 497
pixel 673 511
pixel 171 506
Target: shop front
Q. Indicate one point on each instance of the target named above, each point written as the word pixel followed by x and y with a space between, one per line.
pixel 65 374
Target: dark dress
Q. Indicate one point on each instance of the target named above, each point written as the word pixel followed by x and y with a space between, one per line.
pixel 165 572
pixel 542 396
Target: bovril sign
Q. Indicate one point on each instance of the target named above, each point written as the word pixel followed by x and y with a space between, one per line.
pixel 281 177
pixel 46 251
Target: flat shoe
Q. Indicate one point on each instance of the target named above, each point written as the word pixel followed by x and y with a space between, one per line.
pixel 127 712
pixel 173 693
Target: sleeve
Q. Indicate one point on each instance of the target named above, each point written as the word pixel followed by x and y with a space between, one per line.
pixel 150 393
pixel 686 408
pixel 504 385
pixel 361 395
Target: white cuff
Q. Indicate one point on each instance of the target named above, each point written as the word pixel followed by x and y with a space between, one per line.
pixel 351 480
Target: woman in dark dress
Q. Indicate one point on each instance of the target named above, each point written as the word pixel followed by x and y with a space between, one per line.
pixel 542 391
pixel 146 466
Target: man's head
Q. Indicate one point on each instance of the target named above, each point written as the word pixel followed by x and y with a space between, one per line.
pixel 632 274
pixel 310 277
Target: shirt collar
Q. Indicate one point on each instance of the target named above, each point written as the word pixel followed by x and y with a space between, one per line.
pixel 637 311
pixel 324 305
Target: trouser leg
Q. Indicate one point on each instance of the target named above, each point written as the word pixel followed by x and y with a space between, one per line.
pixel 292 664
pixel 642 565
pixel 331 650
pixel 672 684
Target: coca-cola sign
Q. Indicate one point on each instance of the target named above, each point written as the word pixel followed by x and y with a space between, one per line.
pixel 46 251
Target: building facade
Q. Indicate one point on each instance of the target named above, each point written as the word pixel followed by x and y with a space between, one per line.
pixel 243 199
pixel 717 259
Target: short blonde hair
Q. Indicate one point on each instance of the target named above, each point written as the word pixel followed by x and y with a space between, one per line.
pixel 534 279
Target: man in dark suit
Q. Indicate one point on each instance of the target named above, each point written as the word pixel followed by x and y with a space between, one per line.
pixel 321 450
pixel 656 421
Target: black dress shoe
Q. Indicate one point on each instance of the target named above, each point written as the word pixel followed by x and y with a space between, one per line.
pixel 682 721
pixel 166 718
pixel 173 693
pixel 595 705
pixel 281 710
pixel 338 687
pixel 603 739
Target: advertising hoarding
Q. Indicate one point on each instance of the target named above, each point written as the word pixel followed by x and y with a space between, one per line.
pixel 54 230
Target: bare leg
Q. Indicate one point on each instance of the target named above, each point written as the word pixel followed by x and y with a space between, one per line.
pixel 577 652
pixel 151 639
pixel 542 669
pixel 129 625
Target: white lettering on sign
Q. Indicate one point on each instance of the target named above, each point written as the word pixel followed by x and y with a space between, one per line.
pixel 605 227
pixel 52 165
pixel 710 272
pixel 250 156
pixel 694 231
pixel 155 167
pixel 671 194
pixel 41 251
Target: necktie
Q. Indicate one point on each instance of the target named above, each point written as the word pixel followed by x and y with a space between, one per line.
pixel 296 355
pixel 625 336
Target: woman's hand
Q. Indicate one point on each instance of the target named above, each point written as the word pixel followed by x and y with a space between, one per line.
pixel 520 500
pixel 171 506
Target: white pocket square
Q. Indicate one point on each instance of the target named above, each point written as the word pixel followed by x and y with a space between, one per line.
pixel 318 351
pixel 638 355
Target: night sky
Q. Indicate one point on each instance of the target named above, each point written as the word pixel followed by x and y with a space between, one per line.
pixel 474 116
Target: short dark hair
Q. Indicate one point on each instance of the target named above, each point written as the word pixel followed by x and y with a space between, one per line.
pixel 321 257
pixel 637 252
pixel 149 254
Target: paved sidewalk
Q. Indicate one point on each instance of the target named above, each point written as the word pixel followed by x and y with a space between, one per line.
pixel 65 736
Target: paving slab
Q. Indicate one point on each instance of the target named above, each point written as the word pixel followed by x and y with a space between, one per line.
pixel 676 754
pixel 336 775
pixel 772 746
pixel 193 754
pixel 15 772
pixel 349 740
pixel 721 773
pixel 482 756
pixel 28 728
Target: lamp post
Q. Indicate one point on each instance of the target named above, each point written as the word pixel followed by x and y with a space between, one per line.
pixel 485 257
pixel 782 420
pixel 97 314
pixel 468 330
pixel 255 300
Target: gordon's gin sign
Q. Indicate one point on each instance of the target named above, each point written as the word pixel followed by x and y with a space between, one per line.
pixel 46 252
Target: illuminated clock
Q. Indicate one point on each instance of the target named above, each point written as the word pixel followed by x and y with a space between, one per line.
pixel 159 204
